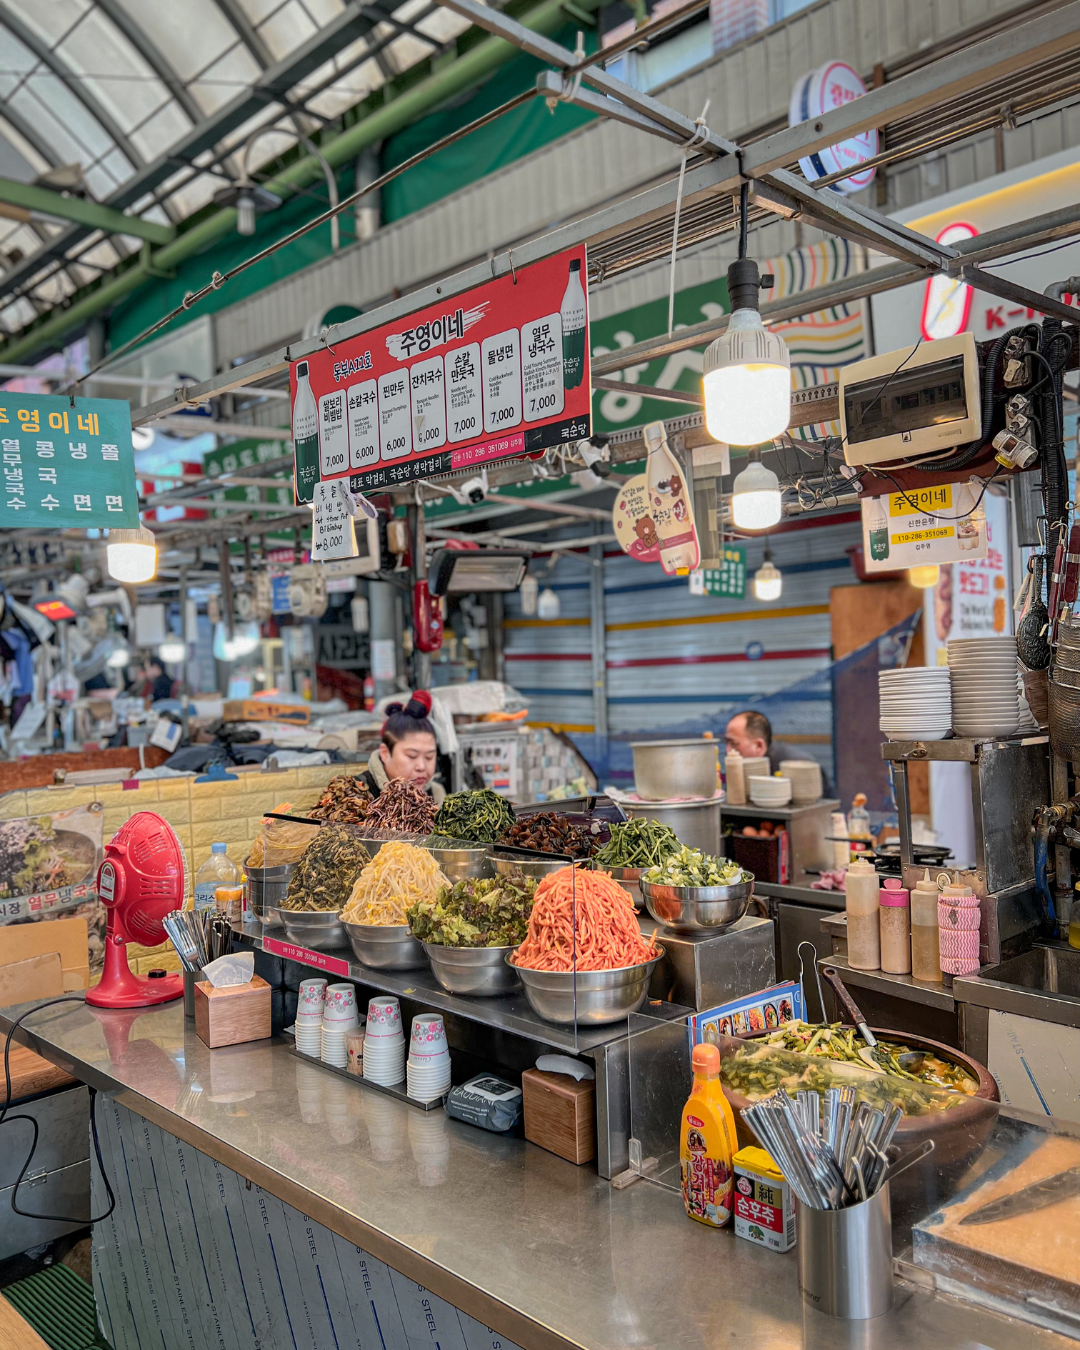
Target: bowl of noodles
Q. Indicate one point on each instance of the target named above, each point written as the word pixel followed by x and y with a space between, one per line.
pixel 376 914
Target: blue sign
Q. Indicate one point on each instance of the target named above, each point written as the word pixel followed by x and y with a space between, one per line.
pixel 754 651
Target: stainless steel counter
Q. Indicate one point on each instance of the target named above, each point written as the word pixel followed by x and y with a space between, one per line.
pixel 545 1253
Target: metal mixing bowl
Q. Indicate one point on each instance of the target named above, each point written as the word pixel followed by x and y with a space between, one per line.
pixel 267 887
pixel 629 878
pixel 602 995
pixel 318 929
pixel 480 971
pixel 537 868
pixel 697 909
pixel 460 860
pixel 385 946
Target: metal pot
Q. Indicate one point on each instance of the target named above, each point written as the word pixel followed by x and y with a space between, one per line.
pixel 696 824
pixel 267 887
pixel 479 971
pixel 601 996
pixel 698 909
pixel 664 769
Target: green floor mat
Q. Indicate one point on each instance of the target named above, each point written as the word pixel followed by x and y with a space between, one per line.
pixel 60 1307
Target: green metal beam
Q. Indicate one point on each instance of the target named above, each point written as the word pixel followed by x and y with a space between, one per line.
pixel 465 71
pixel 44 201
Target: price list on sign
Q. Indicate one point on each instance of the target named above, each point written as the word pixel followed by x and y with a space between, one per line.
pixel 67 462
pixel 497 372
pixel 729 579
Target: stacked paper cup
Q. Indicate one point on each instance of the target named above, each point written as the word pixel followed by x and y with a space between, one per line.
pixel 309 1017
pixel 384 1043
pixel 429 1058
pixel 340 1018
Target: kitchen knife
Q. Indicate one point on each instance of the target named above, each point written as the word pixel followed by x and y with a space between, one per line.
pixel 1062 1186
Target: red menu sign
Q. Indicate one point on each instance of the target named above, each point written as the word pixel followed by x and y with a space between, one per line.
pixel 291 952
pixel 497 372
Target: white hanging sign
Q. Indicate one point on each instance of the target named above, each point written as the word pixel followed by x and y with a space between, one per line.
pixel 332 533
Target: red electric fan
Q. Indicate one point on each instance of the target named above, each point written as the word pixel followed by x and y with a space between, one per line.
pixel 143 878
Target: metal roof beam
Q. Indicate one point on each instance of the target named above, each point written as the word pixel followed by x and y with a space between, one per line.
pixel 152 54
pixel 355 21
pixel 63 72
pixel 240 24
pixel 48 202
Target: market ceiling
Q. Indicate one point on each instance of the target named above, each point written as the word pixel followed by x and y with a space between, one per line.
pixel 119 119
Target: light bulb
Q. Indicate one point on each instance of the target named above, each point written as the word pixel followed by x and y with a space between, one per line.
pixel 243 642
pixel 925 576
pixel 245 213
pixel 547 606
pixel 768 581
pixel 119 656
pixel 755 496
pixel 172 650
pixel 747 382
pixel 132 555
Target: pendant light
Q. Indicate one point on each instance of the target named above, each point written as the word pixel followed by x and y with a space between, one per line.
pixel 768 580
pixel 529 594
pixel 755 496
pixel 131 555
pixel 924 576
pixel 746 378
pixel 173 650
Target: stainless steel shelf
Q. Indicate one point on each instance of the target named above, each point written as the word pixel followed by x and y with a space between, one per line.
pixel 895 986
pixel 508 1013
pixel 752 812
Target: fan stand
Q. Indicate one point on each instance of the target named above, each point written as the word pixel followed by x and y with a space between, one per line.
pixel 120 988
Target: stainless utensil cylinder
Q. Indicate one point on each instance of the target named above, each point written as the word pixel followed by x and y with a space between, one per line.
pixel 191 978
pixel 845 1258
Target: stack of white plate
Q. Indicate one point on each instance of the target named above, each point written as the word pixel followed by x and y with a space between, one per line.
pixel 806 780
pixel 769 791
pixel 986 700
pixel 915 703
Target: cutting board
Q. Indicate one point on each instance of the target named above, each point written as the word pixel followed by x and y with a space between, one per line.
pixel 30 1074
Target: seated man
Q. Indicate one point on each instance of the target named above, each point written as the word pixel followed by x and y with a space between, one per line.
pixel 750 733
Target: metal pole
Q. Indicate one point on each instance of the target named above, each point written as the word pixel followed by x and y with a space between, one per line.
pixel 421 661
pixel 382 602
pixel 184 693
pixel 598 633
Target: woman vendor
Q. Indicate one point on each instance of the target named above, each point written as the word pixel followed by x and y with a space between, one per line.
pixel 408 748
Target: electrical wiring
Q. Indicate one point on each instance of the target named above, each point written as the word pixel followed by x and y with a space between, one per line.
pixel 6 1119
pixel 885 384
pixel 934 515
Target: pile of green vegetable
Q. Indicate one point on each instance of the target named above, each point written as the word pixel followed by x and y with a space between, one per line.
pixel 480 817
pixel 324 876
pixel 691 867
pixel 844 1044
pixel 638 843
pixel 476 912
pixel 758 1070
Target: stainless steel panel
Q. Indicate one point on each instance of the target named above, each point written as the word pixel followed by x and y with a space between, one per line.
pixel 1043 983
pixel 63 1120
pixel 701 971
pixel 65 1192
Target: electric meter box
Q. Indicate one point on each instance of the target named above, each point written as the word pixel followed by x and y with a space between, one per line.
pixel 910 403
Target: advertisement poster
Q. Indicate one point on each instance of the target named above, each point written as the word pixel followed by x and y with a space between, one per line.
pixel 495 373
pixel 635 528
pixel 922 526
pixel 49 862
pixel 68 463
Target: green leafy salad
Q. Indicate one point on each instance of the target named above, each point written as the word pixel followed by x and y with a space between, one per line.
pixel 691 867
pixel 477 912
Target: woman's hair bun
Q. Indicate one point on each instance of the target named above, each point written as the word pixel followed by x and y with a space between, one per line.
pixel 419 705
pixel 393 708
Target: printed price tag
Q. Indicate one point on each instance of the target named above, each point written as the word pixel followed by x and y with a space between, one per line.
pixel 542 368
pixel 333 434
pixel 465 416
pixel 428 404
pixel 363 424
pixel 395 430
pixel 501 359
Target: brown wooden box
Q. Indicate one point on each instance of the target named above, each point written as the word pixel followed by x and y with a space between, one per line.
pixel 234 1015
pixel 560 1114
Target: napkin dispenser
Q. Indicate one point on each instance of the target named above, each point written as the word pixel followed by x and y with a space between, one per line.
pixel 232 1014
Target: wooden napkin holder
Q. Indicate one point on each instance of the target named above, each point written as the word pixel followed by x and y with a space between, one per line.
pixel 560 1114
pixel 233 1015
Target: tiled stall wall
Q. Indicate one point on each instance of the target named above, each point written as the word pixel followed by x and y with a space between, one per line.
pixel 201 814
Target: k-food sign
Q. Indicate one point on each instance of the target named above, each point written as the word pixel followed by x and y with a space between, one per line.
pixel 498 372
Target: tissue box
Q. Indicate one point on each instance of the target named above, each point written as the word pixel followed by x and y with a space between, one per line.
pixel 560 1114
pixel 234 1015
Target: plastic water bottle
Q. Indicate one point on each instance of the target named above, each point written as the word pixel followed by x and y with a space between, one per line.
pixel 217 870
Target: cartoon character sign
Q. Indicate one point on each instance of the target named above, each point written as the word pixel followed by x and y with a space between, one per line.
pixel 635 521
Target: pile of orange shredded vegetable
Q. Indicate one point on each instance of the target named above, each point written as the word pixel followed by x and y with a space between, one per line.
pixel 608 936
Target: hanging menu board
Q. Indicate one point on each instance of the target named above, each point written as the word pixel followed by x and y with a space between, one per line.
pixel 497 372
pixel 67 462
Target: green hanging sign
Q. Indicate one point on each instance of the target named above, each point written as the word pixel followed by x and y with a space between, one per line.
pixel 728 580
pixel 67 463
